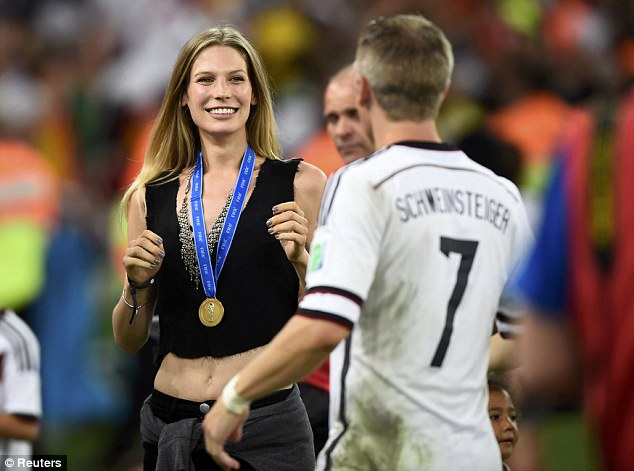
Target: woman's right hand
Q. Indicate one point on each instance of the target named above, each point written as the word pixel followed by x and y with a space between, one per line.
pixel 143 257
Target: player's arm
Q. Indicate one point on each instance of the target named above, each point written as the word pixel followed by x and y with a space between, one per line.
pixel 300 347
pixel 511 313
pixel 503 353
pixel 503 343
pixel 19 427
pixel 22 401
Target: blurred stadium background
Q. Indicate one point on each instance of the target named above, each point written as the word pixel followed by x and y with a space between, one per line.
pixel 80 81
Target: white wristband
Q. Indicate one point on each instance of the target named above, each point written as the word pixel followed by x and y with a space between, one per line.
pixel 233 402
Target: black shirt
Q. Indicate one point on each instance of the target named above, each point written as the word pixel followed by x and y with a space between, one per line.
pixel 258 286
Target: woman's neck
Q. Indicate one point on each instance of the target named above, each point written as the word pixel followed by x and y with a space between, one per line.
pixel 222 153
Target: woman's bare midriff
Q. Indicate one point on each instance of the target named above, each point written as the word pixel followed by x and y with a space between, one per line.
pixel 199 379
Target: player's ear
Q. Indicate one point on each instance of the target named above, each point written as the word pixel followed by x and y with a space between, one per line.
pixel 447 89
pixel 364 92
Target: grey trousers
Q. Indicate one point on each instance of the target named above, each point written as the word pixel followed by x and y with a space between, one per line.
pixel 276 437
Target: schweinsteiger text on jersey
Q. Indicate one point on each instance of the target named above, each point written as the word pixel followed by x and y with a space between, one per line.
pixel 428 201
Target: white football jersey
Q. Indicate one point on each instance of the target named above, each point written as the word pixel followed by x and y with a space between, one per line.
pixel 19 377
pixel 412 252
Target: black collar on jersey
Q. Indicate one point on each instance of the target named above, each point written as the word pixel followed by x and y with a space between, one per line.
pixel 426 145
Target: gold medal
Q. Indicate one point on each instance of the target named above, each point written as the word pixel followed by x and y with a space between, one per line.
pixel 210 312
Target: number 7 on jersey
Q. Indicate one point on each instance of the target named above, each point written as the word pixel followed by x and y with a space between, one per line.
pixel 467 250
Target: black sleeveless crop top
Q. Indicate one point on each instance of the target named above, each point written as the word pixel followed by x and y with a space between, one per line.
pixel 258 286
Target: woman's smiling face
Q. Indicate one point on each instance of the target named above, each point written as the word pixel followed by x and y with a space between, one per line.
pixel 219 94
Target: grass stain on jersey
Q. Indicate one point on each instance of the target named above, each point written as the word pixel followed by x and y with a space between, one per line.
pixel 379 440
pixel 381 334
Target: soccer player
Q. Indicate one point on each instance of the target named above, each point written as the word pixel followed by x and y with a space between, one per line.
pixel 20 395
pixel 407 269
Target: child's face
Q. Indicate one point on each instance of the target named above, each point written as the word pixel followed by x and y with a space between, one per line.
pixel 504 421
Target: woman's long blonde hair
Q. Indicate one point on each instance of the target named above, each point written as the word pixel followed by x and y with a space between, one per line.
pixel 175 140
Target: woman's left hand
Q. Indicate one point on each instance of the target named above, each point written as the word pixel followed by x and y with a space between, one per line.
pixel 290 227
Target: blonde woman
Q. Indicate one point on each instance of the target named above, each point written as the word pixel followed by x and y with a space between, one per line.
pixel 218 229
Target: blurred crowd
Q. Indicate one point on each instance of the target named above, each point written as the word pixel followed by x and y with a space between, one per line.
pixel 80 82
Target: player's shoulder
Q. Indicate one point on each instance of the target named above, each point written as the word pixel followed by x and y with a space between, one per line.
pixel 13 326
pixel 371 169
pixel 504 183
pixel 494 181
pixel 392 160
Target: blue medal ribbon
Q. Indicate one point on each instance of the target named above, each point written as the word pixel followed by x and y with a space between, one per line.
pixel 208 275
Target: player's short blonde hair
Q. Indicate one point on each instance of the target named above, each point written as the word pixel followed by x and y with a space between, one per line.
pixel 408 61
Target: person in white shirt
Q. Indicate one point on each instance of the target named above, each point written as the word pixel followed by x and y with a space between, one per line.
pixel 407 274
pixel 20 389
